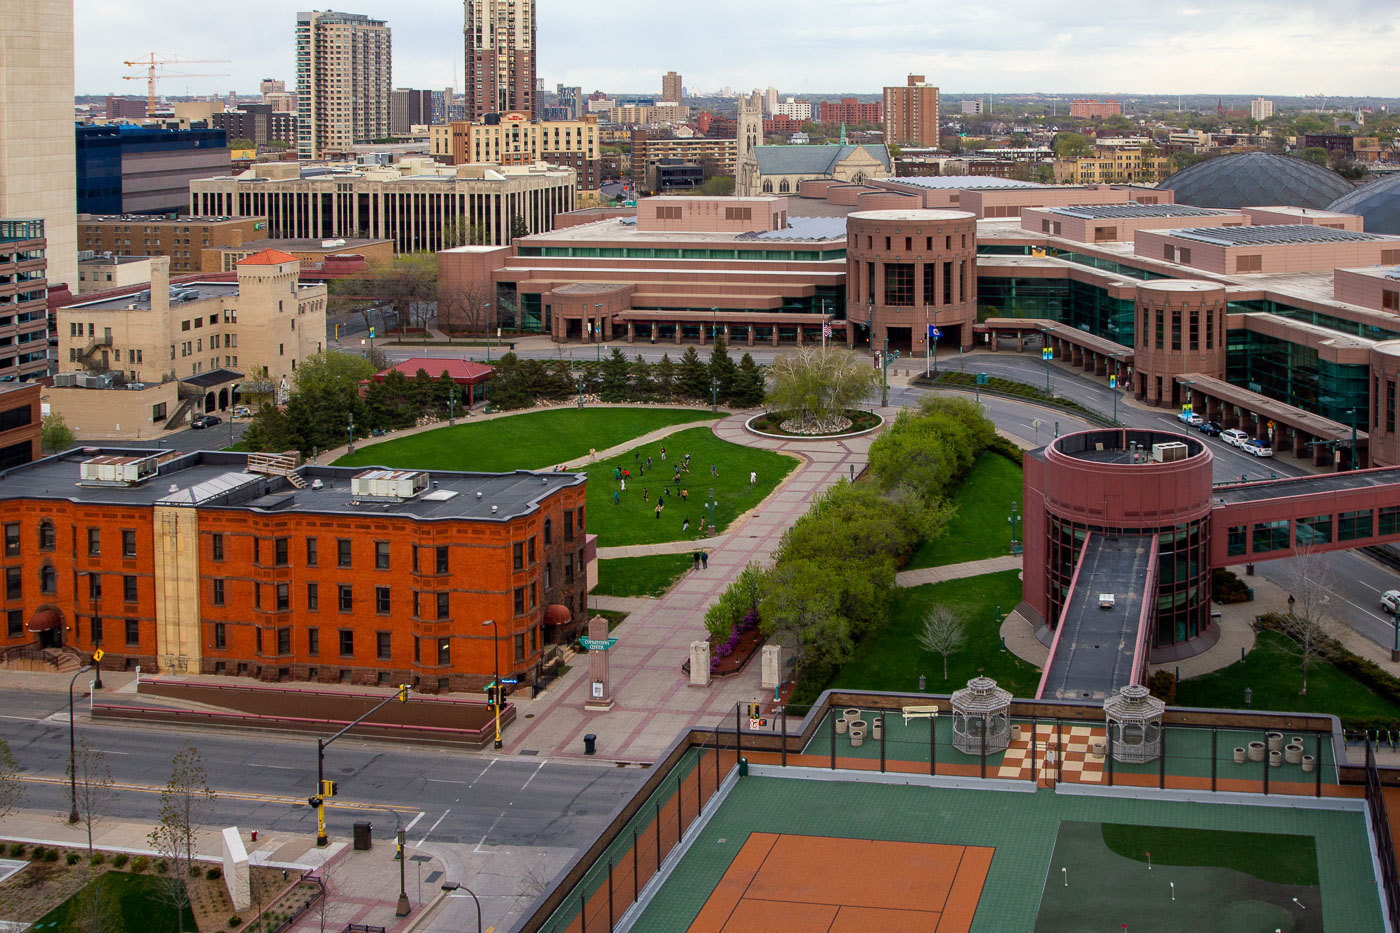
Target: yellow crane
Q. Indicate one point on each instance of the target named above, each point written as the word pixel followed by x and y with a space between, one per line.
pixel 150 63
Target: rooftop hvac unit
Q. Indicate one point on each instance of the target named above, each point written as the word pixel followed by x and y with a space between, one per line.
pixel 1169 452
pixel 65 380
pixel 94 380
pixel 117 471
pixel 388 485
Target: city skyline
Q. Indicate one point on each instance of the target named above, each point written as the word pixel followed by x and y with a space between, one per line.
pixel 1280 53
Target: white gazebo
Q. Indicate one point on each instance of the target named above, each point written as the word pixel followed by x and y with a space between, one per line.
pixel 980 717
pixel 1134 720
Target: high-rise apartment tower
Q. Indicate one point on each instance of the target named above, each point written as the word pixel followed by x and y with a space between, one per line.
pixel 500 54
pixel 344 73
pixel 671 87
pixel 911 113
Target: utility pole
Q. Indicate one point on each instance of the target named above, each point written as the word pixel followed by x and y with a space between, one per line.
pixel 885 373
pixel 496 662
pixel 326 788
pixel 402 909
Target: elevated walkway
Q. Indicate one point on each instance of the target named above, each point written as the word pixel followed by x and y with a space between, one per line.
pixel 1101 641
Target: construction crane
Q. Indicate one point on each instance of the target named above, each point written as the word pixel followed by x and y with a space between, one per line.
pixel 150 63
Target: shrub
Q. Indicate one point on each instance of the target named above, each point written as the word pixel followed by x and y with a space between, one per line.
pixel 37 853
pixel 120 859
pixel 234 921
pixel 51 855
pixel 162 867
pixel 139 863
pixel 1163 686
pixel 213 874
pixel 1226 587
pixel 71 858
pixel 97 858
pixel 16 849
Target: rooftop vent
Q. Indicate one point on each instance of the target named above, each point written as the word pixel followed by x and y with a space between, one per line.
pixel 388 485
pixel 117 471
pixel 1169 452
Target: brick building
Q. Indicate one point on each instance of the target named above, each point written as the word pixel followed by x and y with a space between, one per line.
pixel 912 113
pixel 20 423
pixel 181 239
pixel 24 327
pixel 1095 109
pixel 850 111
pixel 249 565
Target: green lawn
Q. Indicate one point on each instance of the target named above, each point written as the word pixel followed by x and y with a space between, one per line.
pixel 530 441
pixel 632 520
pixel 980 528
pixel 892 659
pixel 1275 676
pixel 132 903
pixel 651 575
pixel 1276 858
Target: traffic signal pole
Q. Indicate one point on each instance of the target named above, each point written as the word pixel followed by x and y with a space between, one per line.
pixel 326 788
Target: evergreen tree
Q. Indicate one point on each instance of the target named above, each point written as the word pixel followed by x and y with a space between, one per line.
pixel 445 389
pixel 617 378
pixel 665 378
pixel 693 377
pixel 643 388
pixel 723 370
pixel 423 392
pixel 559 383
pixel 749 385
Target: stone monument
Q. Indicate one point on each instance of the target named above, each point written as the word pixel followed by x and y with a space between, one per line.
pixel 700 663
pixel 599 689
pixel 236 869
pixel 772 667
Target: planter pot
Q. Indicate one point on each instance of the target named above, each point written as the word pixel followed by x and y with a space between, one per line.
pixel 1239 756
pixel 841 725
pixel 1275 741
pixel 850 715
pixel 1275 759
pixel 1256 751
pixel 1308 763
pixel 1015 733
pixel 877 727
pixel 1096 749
pixel 857 733
pixel 1293 754
pixel 1296 740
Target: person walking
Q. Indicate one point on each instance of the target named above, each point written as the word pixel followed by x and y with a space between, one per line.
pixel 624 484
pixel 685 523
pixel 704 560
pixel 663 452
pixel 648 461
pixel 685 494
pixel 646 494
pixel 714 469
pixel 753 477
pixel 658 511
pixel 616 497
pixel 695 556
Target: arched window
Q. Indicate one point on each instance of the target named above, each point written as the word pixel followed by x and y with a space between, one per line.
pixel 548 531
pixel 768 187
pixel 860 178
pixel 46 535
pixel 48 579
pixel 783 187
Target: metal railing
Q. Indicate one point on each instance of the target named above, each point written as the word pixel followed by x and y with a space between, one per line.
pixel 1380 828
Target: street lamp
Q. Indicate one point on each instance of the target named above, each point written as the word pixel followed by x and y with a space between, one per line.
pixel 496 662
pixel 402 909
pixel 452 407
pixel 580 390
pixel 350 430
pixel 1352 412
pixel 486 315
pixel 598 332
pixel 454 886
pixel 1014 520
pixel 711 505
pixel 714 394
pixel 73 750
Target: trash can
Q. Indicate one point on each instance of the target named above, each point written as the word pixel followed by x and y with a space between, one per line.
pixel 743 767
pixel 590 742
pixel 363 836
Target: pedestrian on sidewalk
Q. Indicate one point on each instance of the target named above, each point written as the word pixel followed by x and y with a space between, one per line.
pixel 753 477
pixel 695 556
pixel 593 454
pixel 704 560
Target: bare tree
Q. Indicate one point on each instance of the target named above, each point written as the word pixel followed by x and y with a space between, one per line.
pixel 182 804
pixel 11 790
pixel 466 307
pixel 94 786
pixel 1308 622
pixel 943 633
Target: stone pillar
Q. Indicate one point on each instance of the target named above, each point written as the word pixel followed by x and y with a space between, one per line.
pixel 775 335
pixel 772 667
pixel 236 869
pixel 678 333
pixel 599 695
pixel 750 329
pixel 700 663
pixel 631 332
pixel 799 335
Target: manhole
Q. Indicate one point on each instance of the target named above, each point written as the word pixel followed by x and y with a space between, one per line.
pixel 529 715
pixel 529 751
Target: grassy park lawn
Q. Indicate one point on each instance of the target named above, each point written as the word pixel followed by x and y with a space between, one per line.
pixel 632 519
pixel 979 529
pixel 1275 675
pixel 651 575
pixel 530 441
pixel 130 903
pixel 890 658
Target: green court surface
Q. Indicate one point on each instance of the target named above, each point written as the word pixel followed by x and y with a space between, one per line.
pixel 1035 835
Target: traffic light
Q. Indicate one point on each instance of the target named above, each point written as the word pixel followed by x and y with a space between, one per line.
pixel 492 694
pixel 314 801
pixel 755 711
pixel 403 693
pixel 329 788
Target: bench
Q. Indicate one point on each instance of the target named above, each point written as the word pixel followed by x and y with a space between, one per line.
pixel 919 712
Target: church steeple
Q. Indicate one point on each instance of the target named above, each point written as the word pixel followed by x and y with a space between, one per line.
pixel 843 132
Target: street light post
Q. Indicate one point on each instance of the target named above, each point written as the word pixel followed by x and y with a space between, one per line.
pixel 714 394
pixel 350 430
pixel 73 750
pixel 402 909
pixel 598 332
pixel 885 373
pixel 496 663
pixel 1014 520
pixel 486 307
pixel 711 505
pixel 454 886
pixel 580 390
pixel 452 407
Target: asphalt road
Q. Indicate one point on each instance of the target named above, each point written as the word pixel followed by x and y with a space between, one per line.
pixel 216 438
pixel 262 781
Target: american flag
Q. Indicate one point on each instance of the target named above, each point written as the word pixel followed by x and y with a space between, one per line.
pixel 826 328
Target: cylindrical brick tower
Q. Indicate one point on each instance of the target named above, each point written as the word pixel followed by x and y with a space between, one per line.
pixel 1180 328
pixel 1385 399
pixel 907 271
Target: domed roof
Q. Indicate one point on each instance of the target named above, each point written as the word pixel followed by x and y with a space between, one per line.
pixel 1256 179
pixel 1378 201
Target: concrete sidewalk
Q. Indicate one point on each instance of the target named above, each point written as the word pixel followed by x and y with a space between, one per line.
pixel 668 547
pixel 972 568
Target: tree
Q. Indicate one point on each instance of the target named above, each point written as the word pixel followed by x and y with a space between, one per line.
pixel 1307 623
pixel 465 308
pixel 519 227
pixel 1317 155
pixel 720 186
pixel 458 232
pixel 94 786
pixel 1071 145
pixel 642 386
pixel 749 384
pixel 943 633
pixel 664 376
pixel 722 370
pixel 692 378
pixel 11 790
pixel 96 907
pixel 55 435
pixel 1043 174
pixel 815 385
pixel 242 142
pixel 800 604
pixel 182 804
pixel 408 282
pixel 616 378
pixel 1182 160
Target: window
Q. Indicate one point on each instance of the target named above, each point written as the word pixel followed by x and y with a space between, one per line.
pixel 520 600
pixel 347 643
pixel 284 641
pixel 668 213
pixel 48 579
pixel 128 543
pixel 381 599
pixel 279 551
pixel 442 606
pixel 94 542
pixel 381 555
pixel 442 560
pixel 217 542
pixel 444 651
pixel 129 588
pixel 342 552
pixel 1318 529
pixel 46 535
pixel 311 552
pixel 381 645
pixel 568 526
pixel 417 650
pixel 532 595
pixel 96 630
pixel 738 213
pixel 94 586
pixel 347 598
pixel 220 635
pixel 12 539
pixel 899 284
pixel 520 647
pixel 1176 330
pixel 284 597
pixel 1390 300
pixel 1271 536
pixel 518 555
pixel 14 586
pixel 1238 541
pixel 313 641
pixel 1353 525
pixel 133 632
pixel 257 595
pixel 14 623
pixel 218 596
pixel 1389 519
pixel 313 597
pixel 531 549
pixel 548 532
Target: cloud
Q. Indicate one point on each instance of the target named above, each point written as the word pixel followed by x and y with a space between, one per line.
pixel 1279 47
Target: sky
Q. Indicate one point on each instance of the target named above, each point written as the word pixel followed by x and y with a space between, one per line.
pixel 1278 47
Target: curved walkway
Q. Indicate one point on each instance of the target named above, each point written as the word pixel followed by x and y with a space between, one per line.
pixel 654 701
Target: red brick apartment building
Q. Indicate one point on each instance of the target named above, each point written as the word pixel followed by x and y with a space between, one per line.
pixel 251 565
pixel 20 423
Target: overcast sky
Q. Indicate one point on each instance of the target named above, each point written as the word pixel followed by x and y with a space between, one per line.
pixel 1283 47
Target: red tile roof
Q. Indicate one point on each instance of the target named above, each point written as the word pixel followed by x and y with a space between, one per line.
pixel 268 257
pixel 461 371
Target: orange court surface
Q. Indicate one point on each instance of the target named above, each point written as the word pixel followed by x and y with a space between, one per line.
pixel 826 884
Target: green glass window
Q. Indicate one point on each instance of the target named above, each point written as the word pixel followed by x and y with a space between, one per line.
pixel 1238 542
pixel 1270 536
pixel 1353 525
pixel 1315 530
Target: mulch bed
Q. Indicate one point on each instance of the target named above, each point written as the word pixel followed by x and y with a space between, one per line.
pixel 749 643
pixel 772 422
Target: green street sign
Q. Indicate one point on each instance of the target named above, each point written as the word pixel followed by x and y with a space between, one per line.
pixel 597 644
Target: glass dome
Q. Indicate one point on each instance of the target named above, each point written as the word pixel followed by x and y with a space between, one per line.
pixel 1257 179
pixel 1377 201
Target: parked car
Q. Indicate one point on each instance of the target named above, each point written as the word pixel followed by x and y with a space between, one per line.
pixel 1234 437
pixel 1209 428
pixel 1189 417
pixel 1390 601
pixel 1257 448
pixel 206 421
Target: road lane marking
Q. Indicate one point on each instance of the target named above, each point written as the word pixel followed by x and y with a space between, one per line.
pixel 223 795
pixel 444 781
pixel 532 775
pixel 413 822
pixel 483 773
pixel 255 764
pixel 487 834
pixel 434 826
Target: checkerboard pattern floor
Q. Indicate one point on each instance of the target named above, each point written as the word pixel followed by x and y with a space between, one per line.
pixel 1073 758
